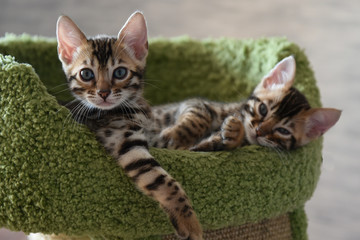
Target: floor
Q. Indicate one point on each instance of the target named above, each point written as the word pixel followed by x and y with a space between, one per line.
pixel 328 30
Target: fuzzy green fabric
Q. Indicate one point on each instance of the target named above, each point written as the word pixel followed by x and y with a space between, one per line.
pixel 55 177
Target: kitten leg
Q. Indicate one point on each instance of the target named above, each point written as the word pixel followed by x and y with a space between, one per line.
pixel 230 136
pixel 192 124
pixel 133 156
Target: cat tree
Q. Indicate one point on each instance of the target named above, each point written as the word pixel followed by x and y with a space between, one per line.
pixel 56 178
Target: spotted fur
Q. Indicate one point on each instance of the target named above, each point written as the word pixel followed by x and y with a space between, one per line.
pixel 275 115
pixel 105 74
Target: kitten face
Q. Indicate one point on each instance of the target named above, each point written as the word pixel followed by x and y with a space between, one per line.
pixel 279 116
pixel 276 122
pixel 104 72
pixel 104 81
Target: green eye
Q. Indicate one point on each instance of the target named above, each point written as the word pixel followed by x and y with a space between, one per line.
pixel 87 74
pixel 283 131
pixel 263 109
pixel 120 73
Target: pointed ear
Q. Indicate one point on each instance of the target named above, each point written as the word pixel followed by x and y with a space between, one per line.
pixel 69 38
pixel 134 35
pixel 319 120
pixel 282 76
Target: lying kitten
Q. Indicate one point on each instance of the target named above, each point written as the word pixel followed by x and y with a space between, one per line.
pixel 275 115
pixel 105 74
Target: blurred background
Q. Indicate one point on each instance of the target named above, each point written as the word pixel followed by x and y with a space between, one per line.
pixel 328 31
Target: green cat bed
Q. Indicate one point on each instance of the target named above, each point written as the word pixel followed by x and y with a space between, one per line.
pixel 56 178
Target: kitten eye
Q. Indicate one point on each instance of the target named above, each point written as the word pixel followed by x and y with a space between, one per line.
pixel 263 109
pixel 87 74
pixel 120 73
pixel 283 131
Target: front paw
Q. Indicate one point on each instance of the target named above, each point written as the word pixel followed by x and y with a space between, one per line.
pixel 175 138
pixel 187 226
pixel 169 136
pixel 232 132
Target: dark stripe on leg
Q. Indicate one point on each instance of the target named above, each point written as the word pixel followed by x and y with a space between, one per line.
pixel 140 163
pixel 157 182
pixel 199 115
pixel 189 132
pixel 128 145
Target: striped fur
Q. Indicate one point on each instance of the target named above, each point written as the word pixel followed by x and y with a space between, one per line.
pixel 105 75
pixel 276 115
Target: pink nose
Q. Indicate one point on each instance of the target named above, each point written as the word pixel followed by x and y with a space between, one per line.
pixel 104 93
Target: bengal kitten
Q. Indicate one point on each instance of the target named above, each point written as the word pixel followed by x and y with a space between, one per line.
pixel 276 115
pixel 105 74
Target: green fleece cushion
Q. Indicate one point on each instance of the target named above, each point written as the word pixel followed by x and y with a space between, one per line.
pixel 55 177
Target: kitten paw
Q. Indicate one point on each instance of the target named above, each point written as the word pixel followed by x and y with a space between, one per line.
pixel 175 137
pixel 169 135
pixel 232 132
pixel 213 143
pixel 188 227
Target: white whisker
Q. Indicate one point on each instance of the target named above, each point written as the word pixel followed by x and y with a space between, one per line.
pixel 60 85
pixel 64 90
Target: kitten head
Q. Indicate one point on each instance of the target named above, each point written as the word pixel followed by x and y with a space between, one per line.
pixel 104 72
pixel 277 115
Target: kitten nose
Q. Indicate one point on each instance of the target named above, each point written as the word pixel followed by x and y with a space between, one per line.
pixel 104 93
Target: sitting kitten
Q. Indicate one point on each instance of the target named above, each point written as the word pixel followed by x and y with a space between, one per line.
pixel 106 75
pixel 275 115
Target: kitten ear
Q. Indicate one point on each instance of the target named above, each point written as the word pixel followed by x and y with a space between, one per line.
pixel 282 76
pixel 69 38
pixel 318 121
pixel 134 35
